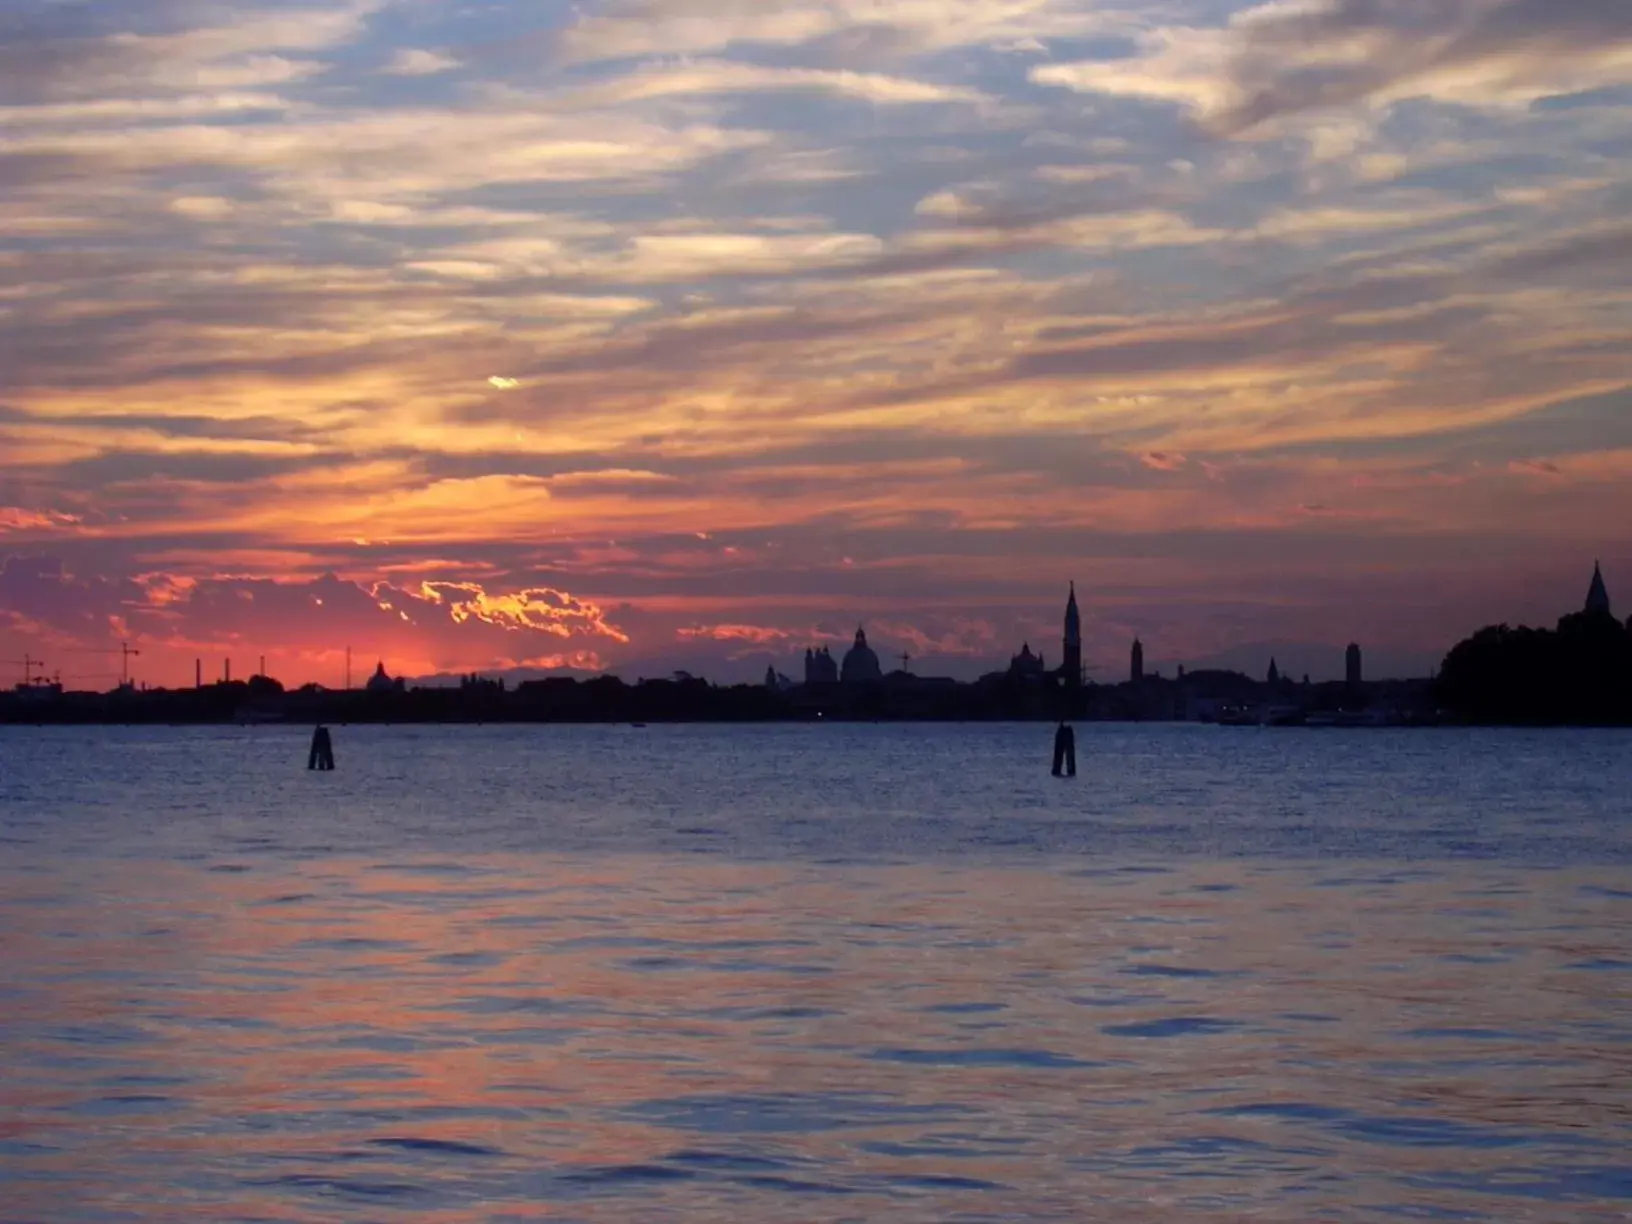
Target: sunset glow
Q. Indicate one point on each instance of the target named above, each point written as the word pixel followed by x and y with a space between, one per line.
pixel 656 334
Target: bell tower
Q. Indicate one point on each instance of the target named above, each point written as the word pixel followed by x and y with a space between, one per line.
pixel 1597 594
pixel 1072 667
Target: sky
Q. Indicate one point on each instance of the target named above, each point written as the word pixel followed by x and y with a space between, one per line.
pixel 636 335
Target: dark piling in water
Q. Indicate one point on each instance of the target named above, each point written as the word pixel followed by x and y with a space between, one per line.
pixel 322 753
pixel 1065 752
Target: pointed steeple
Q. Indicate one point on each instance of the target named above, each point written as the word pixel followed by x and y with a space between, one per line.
pixel 1597 594
pixel 1071 644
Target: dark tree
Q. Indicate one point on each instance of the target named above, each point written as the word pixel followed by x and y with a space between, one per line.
pixel 1579 673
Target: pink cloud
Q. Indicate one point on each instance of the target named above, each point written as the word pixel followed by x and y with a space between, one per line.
pixel 964 638
pixel 1534 467
pixel 576 660
pixel 759 635
pixel 1163 461
pixel 15 518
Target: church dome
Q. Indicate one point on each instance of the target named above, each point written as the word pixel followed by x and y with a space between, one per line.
pixel 1025 663
pixel 860 663
pixel 379 682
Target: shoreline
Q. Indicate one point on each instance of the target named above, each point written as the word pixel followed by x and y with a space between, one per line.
pixel 353 720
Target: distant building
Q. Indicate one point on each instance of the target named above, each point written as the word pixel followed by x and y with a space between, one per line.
pixel 1274 676
pixel 1136 665
pixel 379 682
pixel 1597 595
pixel 1027 666
pixel 820 667
pixel 1071 667
pixel 860 664
pixel 1351 665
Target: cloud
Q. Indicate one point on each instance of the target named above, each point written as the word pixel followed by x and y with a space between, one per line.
pixel 648 27
pixel 757 635
pixel 704 76
pixel 1278 59
pixel 846 30
pixel 17 519
pixel 1161 461
pixel 537 610
pixel 389 156
pixel 417 62
pixel 656 322
pixel 953 637
pixel 426 626
pixel 160 47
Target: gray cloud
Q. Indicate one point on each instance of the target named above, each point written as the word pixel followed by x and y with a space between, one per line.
pixel 59 50
pixel 1278 66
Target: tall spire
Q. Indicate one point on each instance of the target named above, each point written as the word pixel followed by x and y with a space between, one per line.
pixel 1071 644
pixel 1597 594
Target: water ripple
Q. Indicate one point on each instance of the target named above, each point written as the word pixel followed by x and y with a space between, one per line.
pixel 435 1147
pixel 981 1058
pixel 748 982
pixel 1173 1026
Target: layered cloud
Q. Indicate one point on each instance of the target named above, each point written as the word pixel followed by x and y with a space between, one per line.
pixel 637 333
pixel 1289 57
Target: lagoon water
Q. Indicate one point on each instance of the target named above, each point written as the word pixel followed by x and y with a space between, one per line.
pixel 815 973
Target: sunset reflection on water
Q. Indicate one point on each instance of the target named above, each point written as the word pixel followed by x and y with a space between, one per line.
pixel 630 1037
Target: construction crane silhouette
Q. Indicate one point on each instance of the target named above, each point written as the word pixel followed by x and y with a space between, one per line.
pixel 30 665
pixel 125 651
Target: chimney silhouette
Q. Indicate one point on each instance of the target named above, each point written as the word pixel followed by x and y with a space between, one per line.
pixel 198 673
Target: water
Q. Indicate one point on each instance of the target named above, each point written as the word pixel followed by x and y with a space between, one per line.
pixel 815 973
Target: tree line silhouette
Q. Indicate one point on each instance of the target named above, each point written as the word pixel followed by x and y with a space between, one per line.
pixel 1579 673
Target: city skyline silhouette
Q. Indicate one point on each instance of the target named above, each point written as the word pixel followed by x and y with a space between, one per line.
pixel 336 330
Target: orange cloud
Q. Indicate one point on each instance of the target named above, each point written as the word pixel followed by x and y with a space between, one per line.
pixel 539 610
